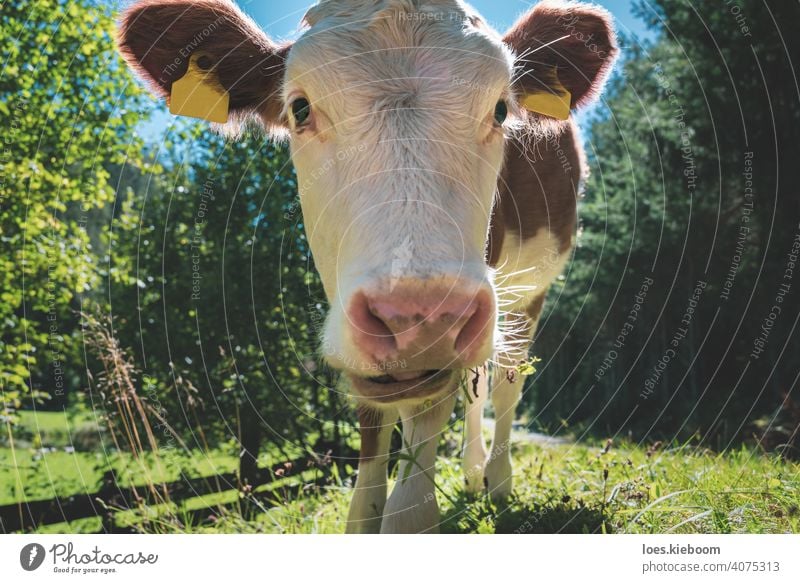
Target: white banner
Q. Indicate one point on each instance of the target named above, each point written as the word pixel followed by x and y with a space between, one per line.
pixel 373 559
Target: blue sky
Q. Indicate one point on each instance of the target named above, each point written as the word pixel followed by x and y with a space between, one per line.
pixel 280 18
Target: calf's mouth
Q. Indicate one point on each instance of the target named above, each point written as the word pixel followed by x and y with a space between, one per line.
pixel 403 386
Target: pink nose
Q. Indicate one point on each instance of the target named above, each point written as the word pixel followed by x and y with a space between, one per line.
pixel 430 328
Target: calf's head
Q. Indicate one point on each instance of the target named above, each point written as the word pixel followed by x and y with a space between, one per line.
pixel 398 113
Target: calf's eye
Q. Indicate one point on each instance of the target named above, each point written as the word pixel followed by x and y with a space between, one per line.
pixel 301 109
pixel 500 112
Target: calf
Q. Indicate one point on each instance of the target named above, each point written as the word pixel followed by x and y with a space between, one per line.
pixel 439 232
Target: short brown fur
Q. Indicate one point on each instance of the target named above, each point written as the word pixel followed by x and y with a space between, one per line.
pixel 369 424
pixel 156 38
pixel 538 189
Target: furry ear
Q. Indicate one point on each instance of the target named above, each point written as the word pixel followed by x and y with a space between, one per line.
pixel 572 39
pixel 157 38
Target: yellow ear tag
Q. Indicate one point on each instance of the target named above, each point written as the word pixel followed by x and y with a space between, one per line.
pixel 555 104
pixel 199 93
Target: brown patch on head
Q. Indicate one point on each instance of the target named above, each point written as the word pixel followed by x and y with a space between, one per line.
pixel 157 38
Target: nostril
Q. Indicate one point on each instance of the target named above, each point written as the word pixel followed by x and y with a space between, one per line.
pixel 371 327
pixel 474 330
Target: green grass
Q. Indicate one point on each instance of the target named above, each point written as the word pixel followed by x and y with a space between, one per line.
pixel 581 489
pixel 52 429
pixel 43 463
pixel 50 422
pixel 33 475
pixel 570 488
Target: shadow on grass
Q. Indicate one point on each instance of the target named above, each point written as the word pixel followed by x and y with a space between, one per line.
pixel 515 517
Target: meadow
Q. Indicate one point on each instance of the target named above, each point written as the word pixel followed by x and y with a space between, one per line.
pixel 561 487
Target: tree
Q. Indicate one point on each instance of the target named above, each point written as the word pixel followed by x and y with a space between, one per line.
pixel 217 294
pixel 687 190
pixel 68 119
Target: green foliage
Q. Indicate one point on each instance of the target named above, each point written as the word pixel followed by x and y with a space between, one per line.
pixel 212 286
pixel 68 118
pixel 678 266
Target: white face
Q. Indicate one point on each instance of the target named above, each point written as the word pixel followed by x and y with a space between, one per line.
pixel 397 147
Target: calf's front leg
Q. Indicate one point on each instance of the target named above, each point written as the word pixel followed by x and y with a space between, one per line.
pixel 369 496
pixel 507 387
pixel 412 506
pixel 474 444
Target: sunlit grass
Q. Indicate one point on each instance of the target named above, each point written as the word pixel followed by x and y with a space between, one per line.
pixel 558 488
pixel 627 489
pixel 36 475
pixel 583 489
